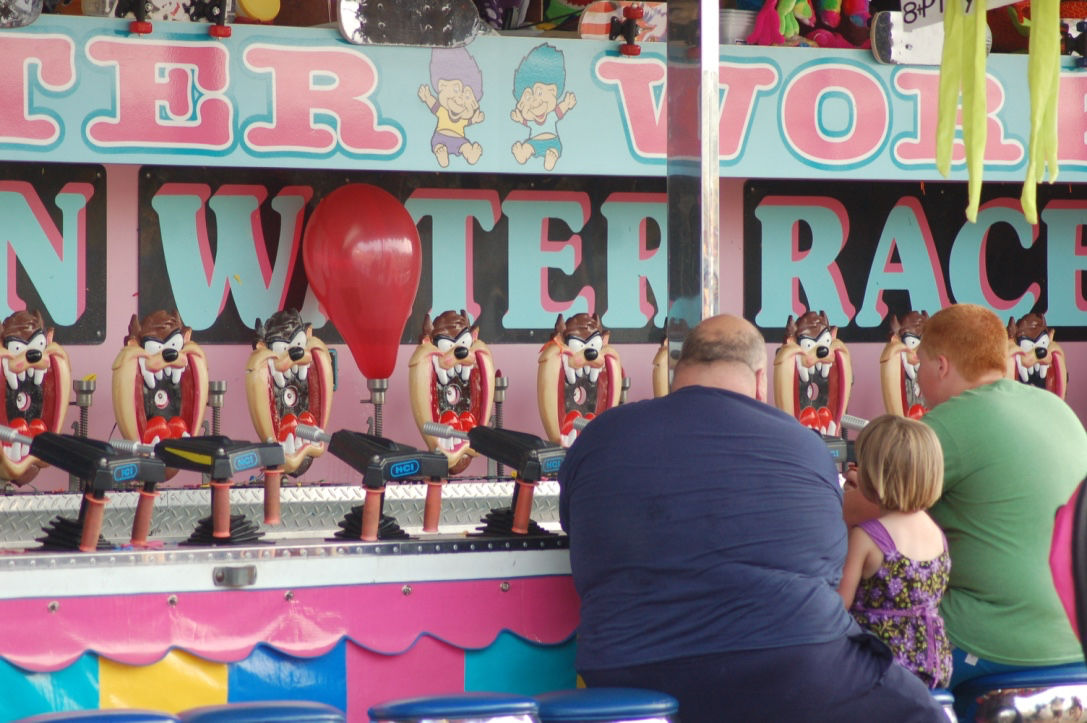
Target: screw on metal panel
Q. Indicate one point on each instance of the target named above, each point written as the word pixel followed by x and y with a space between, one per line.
pixel 289 595
pixel 406 589
pixel 504 587
pixel 172 600
pixel 53 606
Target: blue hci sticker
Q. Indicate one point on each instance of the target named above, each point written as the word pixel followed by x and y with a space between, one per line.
pixel 247 460
pixel 125 472
pixel 405 468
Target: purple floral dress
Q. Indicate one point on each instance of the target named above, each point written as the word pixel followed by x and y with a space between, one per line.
pixel 900 603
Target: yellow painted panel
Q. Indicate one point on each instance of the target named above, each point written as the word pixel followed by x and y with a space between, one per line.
pixel 175 683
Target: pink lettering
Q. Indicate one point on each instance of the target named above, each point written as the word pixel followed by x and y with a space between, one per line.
pixel 920 148
pixel 741 82
pixel 802 115
pixel 54 57
pixel 156 83
pixel 1072 119
pixel 306 81
pixel 642 111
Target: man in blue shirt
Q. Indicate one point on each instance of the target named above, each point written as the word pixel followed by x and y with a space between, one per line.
pixel 706 542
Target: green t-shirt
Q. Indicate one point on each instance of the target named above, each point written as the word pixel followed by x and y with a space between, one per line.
pixel 1013 454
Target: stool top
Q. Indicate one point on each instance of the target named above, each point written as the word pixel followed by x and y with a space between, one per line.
pixel 265 711
pixel 605 704
pixel 472 704
pixel 109 715
pixel 1044 676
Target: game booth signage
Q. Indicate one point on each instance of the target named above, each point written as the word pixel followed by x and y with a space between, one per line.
pixel 204 163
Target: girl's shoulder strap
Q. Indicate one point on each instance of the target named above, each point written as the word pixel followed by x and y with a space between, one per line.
pixel 879 535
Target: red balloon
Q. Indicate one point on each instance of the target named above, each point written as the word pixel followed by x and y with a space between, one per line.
pixel 363 260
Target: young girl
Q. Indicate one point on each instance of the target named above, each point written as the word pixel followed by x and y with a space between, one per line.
pixel 897 566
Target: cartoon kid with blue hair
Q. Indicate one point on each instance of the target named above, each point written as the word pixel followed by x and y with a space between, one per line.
pixel 538 85
pixel 456 77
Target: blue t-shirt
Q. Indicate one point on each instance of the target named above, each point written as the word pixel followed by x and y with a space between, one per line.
pixel 701 522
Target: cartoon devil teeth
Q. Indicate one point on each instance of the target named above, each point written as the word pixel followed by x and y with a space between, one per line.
pixel 288 381
pixel 898 364
pixel 160 380
pixel 579 376
pixel 37 380
pixel 812 373
pixel 1034 357
pixel 451 378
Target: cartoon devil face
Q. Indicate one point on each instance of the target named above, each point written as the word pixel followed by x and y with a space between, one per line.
pixel 579 376
pixel 160 380
pixel 288 381
pixel 451 374
pixel 1036 357
pixel 37 380
pixel 812 373
pixel 898 364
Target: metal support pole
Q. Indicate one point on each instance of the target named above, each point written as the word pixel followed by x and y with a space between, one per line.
pixel 693 166
pixel 84 393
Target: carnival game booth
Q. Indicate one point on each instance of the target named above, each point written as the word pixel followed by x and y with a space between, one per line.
pixel 164 196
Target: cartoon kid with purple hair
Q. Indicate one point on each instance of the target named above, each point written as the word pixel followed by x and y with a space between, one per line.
pixel 538 85
pixel 455 75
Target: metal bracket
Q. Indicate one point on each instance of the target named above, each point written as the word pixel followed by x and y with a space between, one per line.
pixel 241 576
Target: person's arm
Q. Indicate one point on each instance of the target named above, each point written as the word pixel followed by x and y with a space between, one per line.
pixel 856 508
pixel 860 548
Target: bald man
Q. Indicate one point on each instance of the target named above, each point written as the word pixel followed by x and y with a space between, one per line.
pixel 706 543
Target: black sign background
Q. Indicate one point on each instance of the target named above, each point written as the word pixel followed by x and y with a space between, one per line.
pixel 490 260
pixel 48 180
pixel 1011 269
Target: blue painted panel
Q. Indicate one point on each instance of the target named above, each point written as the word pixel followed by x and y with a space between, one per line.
pixel 26 693
pixel 515 665
pixel 269 674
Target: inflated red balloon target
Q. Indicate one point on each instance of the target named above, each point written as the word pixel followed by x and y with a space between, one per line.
pixel 363 261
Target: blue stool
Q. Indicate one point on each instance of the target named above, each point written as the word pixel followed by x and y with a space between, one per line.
pixel 474 706
pixel 606 704
pixel 109 715
pixel 265 711
pixel 1003 696
pixel 946 700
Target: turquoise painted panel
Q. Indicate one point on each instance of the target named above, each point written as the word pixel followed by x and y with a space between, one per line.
pixel 27 693
pixel 269 674
pixel 515 665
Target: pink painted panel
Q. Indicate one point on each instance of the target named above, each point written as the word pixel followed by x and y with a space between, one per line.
pixel 225 626
pixel 430 667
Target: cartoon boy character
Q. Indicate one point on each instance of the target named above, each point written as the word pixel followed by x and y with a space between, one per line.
pixel 539 85
pixel 459 82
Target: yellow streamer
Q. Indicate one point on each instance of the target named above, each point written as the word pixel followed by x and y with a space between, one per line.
pixel 962 68
pixel 1043 74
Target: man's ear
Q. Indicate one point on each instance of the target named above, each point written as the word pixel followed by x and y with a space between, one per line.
pixel 760 384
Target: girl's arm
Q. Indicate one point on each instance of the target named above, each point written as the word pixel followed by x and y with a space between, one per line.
pixel 861 548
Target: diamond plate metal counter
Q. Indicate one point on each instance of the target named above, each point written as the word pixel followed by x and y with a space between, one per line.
pixel 307 511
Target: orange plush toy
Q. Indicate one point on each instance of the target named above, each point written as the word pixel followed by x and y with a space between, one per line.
pixel 452 380
pixel 1033 355
pixel 579 376
pixel 812 373
pixel 898 366
pixel 37 381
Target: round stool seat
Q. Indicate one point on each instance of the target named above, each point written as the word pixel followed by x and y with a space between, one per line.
pixel 478 706
pixel 265 711
pixel 110 715
pixel 1001 694
pixel 606 704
